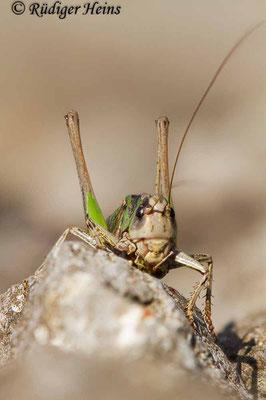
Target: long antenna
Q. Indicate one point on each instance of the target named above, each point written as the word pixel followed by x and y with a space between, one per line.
pixel 205 94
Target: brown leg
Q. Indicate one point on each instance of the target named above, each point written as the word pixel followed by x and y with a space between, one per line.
pixel 206 282
pixel 97 237
pixel 195 262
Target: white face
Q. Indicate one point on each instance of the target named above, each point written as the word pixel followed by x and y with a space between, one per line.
pixel 153 230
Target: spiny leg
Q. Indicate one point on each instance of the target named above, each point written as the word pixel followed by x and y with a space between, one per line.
pixel 208 259
pixel 192 300
pixel 194 262
pixel 207 283
pixel 208 300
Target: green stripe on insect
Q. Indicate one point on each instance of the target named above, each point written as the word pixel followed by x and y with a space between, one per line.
pixel 128 201
pixel 131 209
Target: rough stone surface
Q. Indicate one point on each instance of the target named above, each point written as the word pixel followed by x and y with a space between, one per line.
pixel 92 306
pixel 244 342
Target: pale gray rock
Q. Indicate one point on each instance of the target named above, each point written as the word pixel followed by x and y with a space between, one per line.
pixel 94 307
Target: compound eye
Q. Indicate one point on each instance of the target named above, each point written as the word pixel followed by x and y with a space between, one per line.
pixel 172 213
pixel 139 212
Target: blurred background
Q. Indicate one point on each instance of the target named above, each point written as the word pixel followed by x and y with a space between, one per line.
pixel 120 72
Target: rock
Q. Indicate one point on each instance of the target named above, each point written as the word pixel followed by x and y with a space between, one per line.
pixel 97 310
pixel 244 342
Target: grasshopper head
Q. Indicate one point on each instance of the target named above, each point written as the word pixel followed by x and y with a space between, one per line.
pixel 153 228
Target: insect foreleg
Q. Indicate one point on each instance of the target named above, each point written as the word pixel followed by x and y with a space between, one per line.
pixel 194 262
pixel 107 239
pixel 78 232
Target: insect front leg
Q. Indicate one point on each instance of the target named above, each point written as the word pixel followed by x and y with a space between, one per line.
pixel 97 237
pixel 107 239
pixel 195 262
pixel 78 232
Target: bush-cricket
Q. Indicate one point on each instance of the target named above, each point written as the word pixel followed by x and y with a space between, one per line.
pixel 143 229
